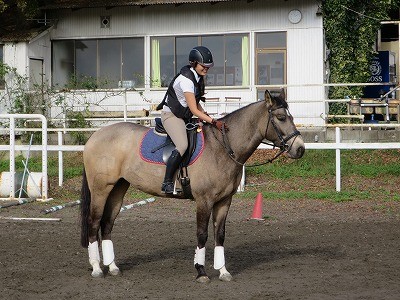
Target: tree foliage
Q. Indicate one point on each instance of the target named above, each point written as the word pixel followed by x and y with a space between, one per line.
pixel 351 28
pixel 28 8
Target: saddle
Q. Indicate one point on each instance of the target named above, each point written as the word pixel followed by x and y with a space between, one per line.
pixel 168 145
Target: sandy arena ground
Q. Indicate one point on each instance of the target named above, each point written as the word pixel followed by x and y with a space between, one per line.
pixel 305 249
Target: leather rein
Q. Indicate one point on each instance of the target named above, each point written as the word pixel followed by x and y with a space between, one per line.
pixel 283 146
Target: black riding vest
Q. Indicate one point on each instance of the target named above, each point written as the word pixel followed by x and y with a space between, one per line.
pixel 173 102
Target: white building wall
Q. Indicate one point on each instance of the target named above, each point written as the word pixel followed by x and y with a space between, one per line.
pixel 306 75
pixel 16 56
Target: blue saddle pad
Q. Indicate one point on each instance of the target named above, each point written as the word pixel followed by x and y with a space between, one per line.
pixel 152 141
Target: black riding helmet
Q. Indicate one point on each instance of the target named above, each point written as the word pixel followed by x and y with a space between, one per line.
pixel 201 55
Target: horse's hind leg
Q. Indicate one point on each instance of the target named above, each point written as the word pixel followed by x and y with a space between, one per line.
pixel 96 211
pixel 111 210
pixel 220 212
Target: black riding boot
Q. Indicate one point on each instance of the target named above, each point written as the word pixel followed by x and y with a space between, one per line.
pixel 172 165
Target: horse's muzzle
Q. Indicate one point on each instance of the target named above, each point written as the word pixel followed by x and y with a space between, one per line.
pixel 300 151
pixel 296 149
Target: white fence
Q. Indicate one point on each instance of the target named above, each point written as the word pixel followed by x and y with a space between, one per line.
pixel 60 148
pixel 12 147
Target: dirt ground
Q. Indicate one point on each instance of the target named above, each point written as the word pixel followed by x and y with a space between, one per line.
pixel 305 249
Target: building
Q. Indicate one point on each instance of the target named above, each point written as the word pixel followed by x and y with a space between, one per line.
pixel 140 45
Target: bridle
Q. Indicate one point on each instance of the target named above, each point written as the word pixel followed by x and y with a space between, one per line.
pixel 283 146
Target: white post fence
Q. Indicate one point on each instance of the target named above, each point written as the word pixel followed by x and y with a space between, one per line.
pixel 12 148
pixel 60 148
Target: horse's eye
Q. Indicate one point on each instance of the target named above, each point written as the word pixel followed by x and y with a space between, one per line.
pixel 281 117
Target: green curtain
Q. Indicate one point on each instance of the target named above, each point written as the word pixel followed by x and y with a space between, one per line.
pixel 155 63
pixel 245 61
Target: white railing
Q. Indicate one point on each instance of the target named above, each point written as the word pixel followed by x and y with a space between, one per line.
pixel 338 145
pixel 12 147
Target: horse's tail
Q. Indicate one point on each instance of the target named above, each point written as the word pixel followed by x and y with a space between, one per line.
pixel 85 210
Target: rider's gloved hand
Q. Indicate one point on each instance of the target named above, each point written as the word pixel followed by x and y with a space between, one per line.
pixel 219 125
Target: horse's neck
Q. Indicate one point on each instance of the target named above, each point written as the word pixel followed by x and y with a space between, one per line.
pixel 246 129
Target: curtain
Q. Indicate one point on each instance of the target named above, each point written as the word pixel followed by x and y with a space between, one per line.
pixel 245 61
pixel 155 63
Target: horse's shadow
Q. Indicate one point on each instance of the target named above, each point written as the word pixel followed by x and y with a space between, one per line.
pixel 240 257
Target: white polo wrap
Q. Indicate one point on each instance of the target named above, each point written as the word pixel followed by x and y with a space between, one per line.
pixel 200 256
pixel 219 257
pixel 94 254
pixel 107 248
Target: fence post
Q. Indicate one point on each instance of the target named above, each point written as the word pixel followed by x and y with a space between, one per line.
pixel 338 174
pixel 60 159
pixel 12 157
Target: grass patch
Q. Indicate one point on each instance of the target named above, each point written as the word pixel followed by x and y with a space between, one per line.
pixel 321 163
pixel 329 195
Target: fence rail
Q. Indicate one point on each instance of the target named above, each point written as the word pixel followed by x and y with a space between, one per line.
pixel 338 145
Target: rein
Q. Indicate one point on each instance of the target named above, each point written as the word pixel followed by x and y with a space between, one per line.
pixel 283 141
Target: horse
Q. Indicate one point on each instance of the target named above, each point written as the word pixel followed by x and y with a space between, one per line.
pixel 112 164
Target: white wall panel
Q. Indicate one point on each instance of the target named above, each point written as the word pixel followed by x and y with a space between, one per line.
pixel 185 19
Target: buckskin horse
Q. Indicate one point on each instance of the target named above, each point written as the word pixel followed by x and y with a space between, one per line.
pixel 112 163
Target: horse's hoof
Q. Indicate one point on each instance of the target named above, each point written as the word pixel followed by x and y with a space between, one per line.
pixel 97 274
pixel 203 279
pixel 226 277
pixel 114 272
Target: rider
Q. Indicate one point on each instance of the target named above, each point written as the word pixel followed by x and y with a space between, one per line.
pixel 181 102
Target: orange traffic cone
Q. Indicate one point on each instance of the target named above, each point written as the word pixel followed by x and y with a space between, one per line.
pixel 257 210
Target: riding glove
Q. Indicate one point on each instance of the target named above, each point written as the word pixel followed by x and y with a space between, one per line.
pixel 219 124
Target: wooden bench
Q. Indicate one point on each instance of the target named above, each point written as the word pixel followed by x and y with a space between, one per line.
pixel 116 114
pixel 105 114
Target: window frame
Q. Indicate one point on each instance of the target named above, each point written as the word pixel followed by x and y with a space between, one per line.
pixel 156 71
pixel 98 81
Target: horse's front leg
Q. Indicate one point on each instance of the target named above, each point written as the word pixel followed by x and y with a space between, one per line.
pixel 203 217
pixel 220 212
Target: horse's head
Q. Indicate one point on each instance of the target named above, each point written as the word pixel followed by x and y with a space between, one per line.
pixel 280 128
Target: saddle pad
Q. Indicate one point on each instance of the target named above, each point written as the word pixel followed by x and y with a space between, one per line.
pixel 151 141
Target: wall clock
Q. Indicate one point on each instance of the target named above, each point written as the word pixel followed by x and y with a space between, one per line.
pixel 294 16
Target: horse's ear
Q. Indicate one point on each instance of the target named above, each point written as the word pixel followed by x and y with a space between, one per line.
pixel 268 97
pixel 282 95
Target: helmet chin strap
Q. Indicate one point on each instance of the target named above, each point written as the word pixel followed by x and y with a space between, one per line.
pixel 193 65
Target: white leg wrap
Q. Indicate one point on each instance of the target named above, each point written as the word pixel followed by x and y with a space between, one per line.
pixel 200 256
pixel 219 257
pixel 107 248
pixel 94 254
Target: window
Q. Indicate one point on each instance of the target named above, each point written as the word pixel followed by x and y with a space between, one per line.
pixel 103 63
pixel 230 54
pixel 270 59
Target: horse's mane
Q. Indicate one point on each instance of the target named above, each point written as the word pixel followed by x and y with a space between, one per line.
pixel 237 112
pixel 277 102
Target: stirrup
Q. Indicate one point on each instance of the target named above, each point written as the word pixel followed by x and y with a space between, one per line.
pixel 167 187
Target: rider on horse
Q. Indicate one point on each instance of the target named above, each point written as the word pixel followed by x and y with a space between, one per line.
pixel 180 103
